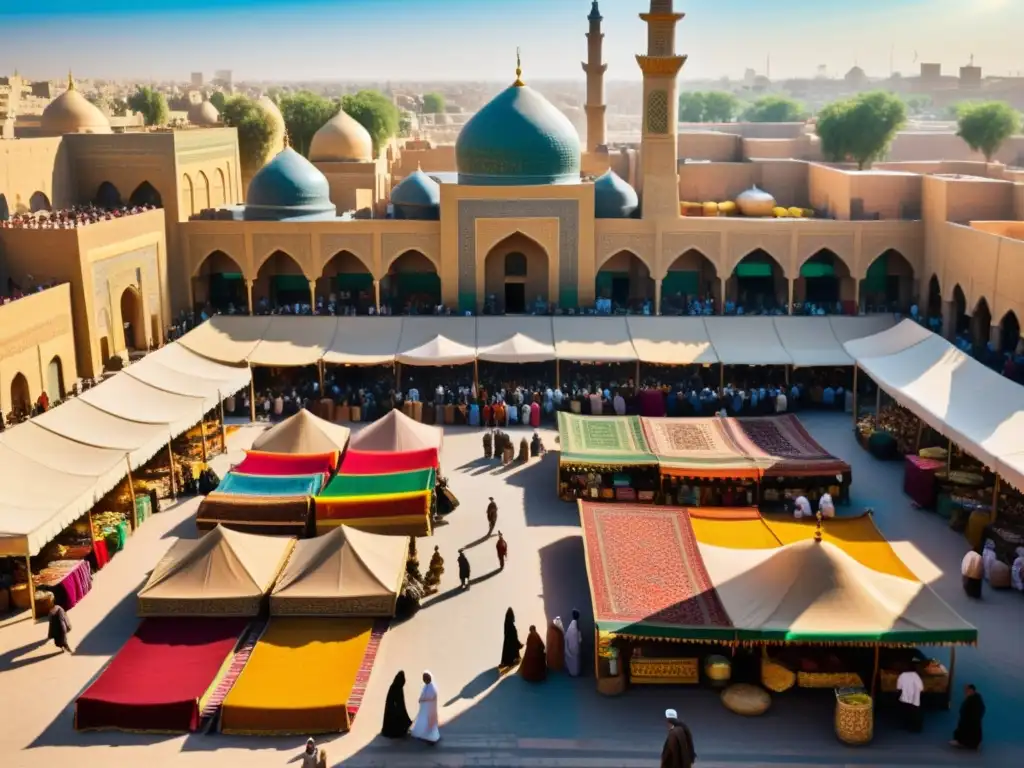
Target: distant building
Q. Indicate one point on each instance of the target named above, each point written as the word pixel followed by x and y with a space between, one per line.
pixel 197 80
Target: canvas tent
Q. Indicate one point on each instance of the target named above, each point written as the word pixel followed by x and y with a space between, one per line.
pixel 515 339
pixel 671 340
pixel 364 341
pixel 228 339
pixel 345 573
pixel 593 339
pixel 225 573
pixel 811 342
pixel 437 341
pixel 294 341
pixel 397 432
pixel 748 341
pixel 303 433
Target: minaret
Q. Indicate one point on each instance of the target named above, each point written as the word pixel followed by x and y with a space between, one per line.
pixel 659 174
pixel 595 69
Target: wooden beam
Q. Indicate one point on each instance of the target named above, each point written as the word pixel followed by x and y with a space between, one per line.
pixel 170 463
pixel 31 587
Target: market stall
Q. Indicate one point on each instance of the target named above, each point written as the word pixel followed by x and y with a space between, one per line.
pixel 399 503
pixel 605 457
pixel 303 434
pixel 263 515
pixel 397 432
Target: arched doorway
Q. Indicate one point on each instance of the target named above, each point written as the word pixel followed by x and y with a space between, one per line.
pixel 412 285
pixel 516 277
pixel 5 211
pixel 934 306
pixel 888 285
pixel 824 286
pixel 132 320
pixel 281 282
pixel 146 194
pixel 220 284
pixel 55 379
pixel 624 284
pixel 962 321
pixel 981 324
pixel 21 398
pixel 1009 328
pixel 38 202
pixel 108 196
pixel 757 285
pixel 346 284
pixel 691 279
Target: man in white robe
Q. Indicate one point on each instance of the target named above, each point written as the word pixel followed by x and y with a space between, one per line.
pixel 802 508
pixel 426 728
pixel 573 641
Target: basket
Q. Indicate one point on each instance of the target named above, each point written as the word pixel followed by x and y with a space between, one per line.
pixel 855 722
pixel 937 453
pixel 829 680
pixel 718 670
pixel 775 677
pixel 746 700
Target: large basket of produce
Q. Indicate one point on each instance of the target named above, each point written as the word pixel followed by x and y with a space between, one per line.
pixel 718 671
pixel 938 453
pixel 855 718
pixel 746 700
pixel 775 677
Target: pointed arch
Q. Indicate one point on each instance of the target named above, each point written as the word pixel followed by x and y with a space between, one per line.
pixel 218 195
pixel 961 320
pixel 757 284
pixel 281 280
pixel 824 284
pixel 203 191
pixel 528 288
pixel 219 281
pixel 21 396
pixel 108 196
pixel 691 276
pixel 132 319
pixel 981 323
pixel 411 284
pixel 934 305
pixel 346 281
pixel 146 194
pixel 888 283
pixel 1009 327
pixel 39 202
pixel 55 379
pixel 623 283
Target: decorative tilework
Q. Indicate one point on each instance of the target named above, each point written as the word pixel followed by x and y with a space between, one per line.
pixel 657 112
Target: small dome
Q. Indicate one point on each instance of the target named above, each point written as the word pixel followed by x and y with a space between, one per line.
pixel 614 198
pixel 755 202
pixel 71 112
pixel 287 187
pixel 518 138
pixel 417 197
pixel 204 114
pixel 341 139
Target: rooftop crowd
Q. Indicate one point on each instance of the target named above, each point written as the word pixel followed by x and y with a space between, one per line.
pixel 71 218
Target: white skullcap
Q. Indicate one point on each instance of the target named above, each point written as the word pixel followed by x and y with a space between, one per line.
pixel 671 714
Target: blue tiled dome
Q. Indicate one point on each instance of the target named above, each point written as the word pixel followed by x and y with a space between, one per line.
pixel 417 197
pixel 288 187
pixel 518 138
pixel 614 198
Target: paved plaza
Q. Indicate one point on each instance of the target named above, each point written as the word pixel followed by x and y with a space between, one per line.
pixel 457 636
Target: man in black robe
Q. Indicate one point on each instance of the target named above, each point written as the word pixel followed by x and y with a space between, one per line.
pixel 463 569
pixel 58 629
pixel 396 716
pixel 968 729
pixel 678 750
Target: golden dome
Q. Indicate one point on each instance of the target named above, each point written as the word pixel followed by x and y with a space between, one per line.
pixel 71 112
pixel 342 139
pixel 274 113
pixel 755 202
pixel 204 114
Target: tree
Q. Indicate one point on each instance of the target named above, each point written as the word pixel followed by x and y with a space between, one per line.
pixel 255 131
pixel 691 107
pixel 152 104
pixel 861 128
pixel 774 109
pixel 917 103
pixel 376 113
pixel 304 114
pixel 987 125
pixel 433 103
pixel 707 107
pixel 218 99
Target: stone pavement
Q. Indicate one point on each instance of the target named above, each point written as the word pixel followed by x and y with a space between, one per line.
pixel 457 635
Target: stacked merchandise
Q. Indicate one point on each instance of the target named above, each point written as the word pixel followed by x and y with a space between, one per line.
pixel 393 502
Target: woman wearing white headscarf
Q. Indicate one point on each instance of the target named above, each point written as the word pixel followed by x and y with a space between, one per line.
pixel 826 506
pixel 426 726
pixel 573 639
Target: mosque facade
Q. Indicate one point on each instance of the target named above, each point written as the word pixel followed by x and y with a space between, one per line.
pixel 516 216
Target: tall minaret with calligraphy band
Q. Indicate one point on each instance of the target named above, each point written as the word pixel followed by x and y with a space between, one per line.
pixel 595 68
pixel 659 175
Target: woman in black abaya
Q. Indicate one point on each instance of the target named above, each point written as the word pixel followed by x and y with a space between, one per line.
pixel 510 646
pixel 396 716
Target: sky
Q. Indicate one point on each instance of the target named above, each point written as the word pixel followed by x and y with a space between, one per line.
pixel 422 40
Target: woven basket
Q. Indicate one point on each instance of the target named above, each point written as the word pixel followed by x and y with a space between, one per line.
pixel 718 670
pixel 855 723
pixel 746 700
pixel 775 677
pixel 937 453
pixel 829 680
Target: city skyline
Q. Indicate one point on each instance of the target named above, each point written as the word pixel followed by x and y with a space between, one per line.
pixel 343 40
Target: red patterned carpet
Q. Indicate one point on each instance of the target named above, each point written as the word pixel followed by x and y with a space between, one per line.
pixel 645 566
pixel 784 446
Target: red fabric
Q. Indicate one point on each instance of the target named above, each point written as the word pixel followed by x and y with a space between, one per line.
pixel 919 480
pixel 155 681
pixel 371 506
pixel 99 551
pixel 535 415
pixel 260 463
pixel 652 403
pixel 386 462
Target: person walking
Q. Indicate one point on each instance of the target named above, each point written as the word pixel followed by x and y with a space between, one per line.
pixel 463 569
pixel 492 516
pixel 426 728
pixel 968 728
pixel 910 686
pixel 678 751
pixel 58 628
pixel 502 547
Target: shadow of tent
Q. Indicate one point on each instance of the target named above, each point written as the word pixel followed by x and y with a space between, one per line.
pixel 186 529
pixel 539 481
pixel 563 574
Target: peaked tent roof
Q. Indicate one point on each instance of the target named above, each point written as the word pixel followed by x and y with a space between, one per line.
pixel 440 350
pixel 397 432
pixel 225 573
pixel 518 348
pixel 303 433
pixel 515 339
pixel 345 573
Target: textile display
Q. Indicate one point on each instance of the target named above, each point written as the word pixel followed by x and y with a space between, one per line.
pixel 603 441
pixel 68 580
pixel 406 525
pixel 397 483
pixel 157 680
pixel 267 516
pixel 919 479
pixel 409 506
pixel 260 463
pixel 697 448
pixel 782 447
pixel 238 484
pixel 388 462
pixel 299 678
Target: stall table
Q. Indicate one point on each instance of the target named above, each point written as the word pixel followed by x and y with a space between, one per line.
pixel 919 479
pixel 68 580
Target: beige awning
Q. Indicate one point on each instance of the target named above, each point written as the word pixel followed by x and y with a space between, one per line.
pixel 345 573
pixel 848 328
pixel 811 341
pixel 225 573
pixel 129 398
pixel 50 450
pixel 162 372
pixel 888 342
pixel 515 339
pixel 290 342
pixel 746 341
pixel 593 339
pixel 303 433
pixel 397 432
pixel 437 341
pixel 364 341
pixel 671 340
pixel 227 339
pixel 84 423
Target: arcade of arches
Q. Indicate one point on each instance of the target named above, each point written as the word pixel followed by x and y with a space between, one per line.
pixel 516 276
pixel 757 283
pixel 279 281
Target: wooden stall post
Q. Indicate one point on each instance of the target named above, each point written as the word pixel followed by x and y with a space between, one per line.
pixel 558 374
pixel 31 586
pixel 855 394
pixel 786 369
pixel 133 520
pixel 202 436
pixel 637 385
pixel 223 424
pixel 874 675
pixel 320 375
pixel 252 396
pixel 949 456
pixel 398 377
pixel 917 440
pixel 952 669
pixel 995 500
pixel 170 460
pixel 721 378
pixel 878 401
pixel 476 375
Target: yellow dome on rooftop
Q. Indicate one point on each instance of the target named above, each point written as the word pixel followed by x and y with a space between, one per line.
pixel 204 114
pixel 341 139
pixel 71 112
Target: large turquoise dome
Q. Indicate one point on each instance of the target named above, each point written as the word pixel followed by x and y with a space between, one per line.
pixel 614 198
pixel 417 197
pixel 288 187
pixel 518 138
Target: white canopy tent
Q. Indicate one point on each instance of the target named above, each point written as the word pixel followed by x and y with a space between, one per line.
pixel 291 342
pixel 747 341
pixel 671 340
pixel 227 339
pixel 809 341
pixel 515 339
pixel 593 340
pixel 129 398
pixel 437 341
pixel 364 341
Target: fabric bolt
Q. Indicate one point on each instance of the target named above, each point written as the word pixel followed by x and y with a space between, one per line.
pixel 349 486
pixel 406 525
pixel 156 681
pixel 299 678
pixel 396 505
pixel 700 447
pixel 652 403
pixel 260 463
pixel 69 580
pixel 388 462
pixel 919 480
pixel 238 484
pixel 267 516
pixel 782 447
pixel 739 528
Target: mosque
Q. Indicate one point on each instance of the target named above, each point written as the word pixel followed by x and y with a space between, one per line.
pixel 517 217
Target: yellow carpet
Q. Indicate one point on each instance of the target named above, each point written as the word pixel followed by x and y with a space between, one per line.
pixel 857 536
pixel 734 534
pixel 299 678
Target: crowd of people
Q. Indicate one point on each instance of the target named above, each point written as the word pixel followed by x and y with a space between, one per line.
pixel 71 218
pixel 16 291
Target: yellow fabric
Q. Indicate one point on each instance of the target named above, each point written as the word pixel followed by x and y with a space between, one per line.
pixel 856 536
pixel 299 678
pixel 735 534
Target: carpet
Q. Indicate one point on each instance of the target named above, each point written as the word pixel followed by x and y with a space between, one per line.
pixel 782 447
pixel 355 699
pixel 239 484
pixel 646 574
pixel 269 516
pixel 356 486
pixel 697 448
pixel 264 463
pixel 602 441
pixel 383 463
pixel 155 682
pixel 299 678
